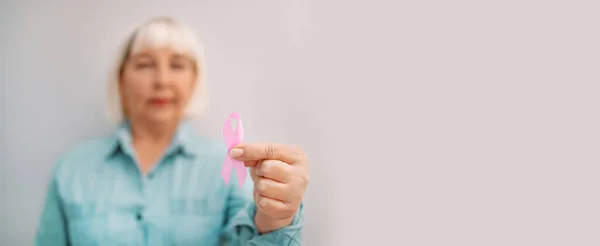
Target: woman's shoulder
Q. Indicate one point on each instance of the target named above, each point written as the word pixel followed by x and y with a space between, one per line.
pixel 90 148
pixel 88 151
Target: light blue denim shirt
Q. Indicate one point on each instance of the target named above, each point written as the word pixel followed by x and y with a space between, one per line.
pixel 97 196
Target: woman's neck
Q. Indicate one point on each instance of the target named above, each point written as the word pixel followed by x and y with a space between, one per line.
pixel 152 133
pixel 150 141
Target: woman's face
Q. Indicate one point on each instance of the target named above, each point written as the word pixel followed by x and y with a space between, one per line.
pixel 156 85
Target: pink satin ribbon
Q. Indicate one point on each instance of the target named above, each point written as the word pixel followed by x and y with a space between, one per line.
pixel 233 138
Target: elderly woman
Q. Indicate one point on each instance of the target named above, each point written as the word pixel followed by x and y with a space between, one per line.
pixel 157 182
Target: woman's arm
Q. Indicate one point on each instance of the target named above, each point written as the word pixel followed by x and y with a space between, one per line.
pixel 52 229
pixel 240 227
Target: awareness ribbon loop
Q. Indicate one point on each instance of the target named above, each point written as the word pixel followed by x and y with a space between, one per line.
pixel 233 138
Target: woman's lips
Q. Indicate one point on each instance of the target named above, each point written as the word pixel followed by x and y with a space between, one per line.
pixel 160 101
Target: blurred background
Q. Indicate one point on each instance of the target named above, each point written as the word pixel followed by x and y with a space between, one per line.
pixel 425 122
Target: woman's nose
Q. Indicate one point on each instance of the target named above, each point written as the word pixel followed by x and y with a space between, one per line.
pixel 163 76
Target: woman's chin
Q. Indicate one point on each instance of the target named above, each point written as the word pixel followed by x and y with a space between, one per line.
pixel 164 117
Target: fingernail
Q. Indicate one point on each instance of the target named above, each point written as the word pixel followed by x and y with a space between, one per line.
pixel 236 152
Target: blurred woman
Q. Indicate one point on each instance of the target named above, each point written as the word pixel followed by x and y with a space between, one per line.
pixel 157 182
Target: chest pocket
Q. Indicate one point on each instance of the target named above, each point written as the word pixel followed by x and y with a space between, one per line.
pixel 196 221
pixel 88 225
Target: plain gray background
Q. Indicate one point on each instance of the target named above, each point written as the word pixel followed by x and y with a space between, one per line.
pixel 425 122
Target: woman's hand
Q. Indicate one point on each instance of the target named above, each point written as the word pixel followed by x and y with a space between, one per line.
pixel 280 175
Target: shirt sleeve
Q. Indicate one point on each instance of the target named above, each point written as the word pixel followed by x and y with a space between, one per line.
pixel 52 230
pixel 240 228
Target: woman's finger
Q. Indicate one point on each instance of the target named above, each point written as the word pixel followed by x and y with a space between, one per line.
pixel 273 189
pixel 266 151
pixel 272 207
pixel 275 170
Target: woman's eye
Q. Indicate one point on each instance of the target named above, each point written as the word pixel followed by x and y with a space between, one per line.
pixel 177 66
pixel 143 65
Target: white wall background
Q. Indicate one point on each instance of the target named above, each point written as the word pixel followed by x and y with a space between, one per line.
pixel 426 122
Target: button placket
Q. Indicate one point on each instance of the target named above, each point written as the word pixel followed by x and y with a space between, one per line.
pixel 145 187
pixel 145 184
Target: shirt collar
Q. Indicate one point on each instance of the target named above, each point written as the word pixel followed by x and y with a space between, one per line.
pixel 182 141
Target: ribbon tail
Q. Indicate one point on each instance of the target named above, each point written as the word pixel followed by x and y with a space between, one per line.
pixel 227 168
pixel 233 138
pixel 240 169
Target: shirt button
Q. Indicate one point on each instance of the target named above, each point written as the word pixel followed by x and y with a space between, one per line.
pixel 150 175
pixel 138 216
